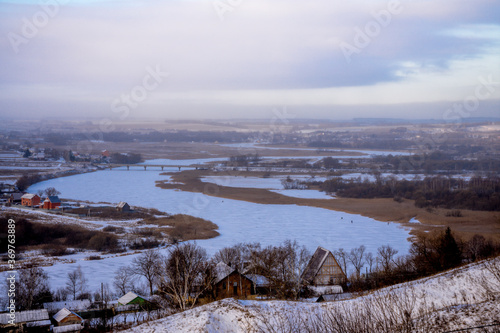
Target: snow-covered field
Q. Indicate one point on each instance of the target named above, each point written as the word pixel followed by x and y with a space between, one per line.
pixel 271 183
pixel 461 298
pixel 238 221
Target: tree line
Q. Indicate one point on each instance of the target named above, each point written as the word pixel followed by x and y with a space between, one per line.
pixel 179 278
pixel 478 193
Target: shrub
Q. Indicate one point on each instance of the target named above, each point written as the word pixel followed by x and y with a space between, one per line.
pixel 103 242
pixel 454 213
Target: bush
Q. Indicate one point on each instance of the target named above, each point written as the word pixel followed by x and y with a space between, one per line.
pixel 454 213
pixel 117 230
pixel 103 242
pixel 55 250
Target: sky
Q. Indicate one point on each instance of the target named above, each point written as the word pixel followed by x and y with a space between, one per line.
pixel 209 59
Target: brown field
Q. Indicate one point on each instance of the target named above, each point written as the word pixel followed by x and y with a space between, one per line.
pixel 386 210
pixel 185 227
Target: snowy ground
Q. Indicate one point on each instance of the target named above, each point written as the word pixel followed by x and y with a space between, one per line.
pixel 449 301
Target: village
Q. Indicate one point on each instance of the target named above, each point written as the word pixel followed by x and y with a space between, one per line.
pixel 106 255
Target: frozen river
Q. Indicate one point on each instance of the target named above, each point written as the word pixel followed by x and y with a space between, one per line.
pixel 238 221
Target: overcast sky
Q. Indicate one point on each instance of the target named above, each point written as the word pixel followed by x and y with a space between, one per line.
pixel 243 58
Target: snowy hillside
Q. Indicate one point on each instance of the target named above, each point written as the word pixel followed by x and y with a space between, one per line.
pixel 461 298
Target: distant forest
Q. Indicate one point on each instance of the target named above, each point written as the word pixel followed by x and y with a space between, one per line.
pixel 476 194
pixel 154 136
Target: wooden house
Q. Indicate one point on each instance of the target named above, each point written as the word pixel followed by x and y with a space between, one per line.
pixel 323 270
pixel 123 207
pixel 230 283
pixel 52 202
pixel 25 321
pixel 67 321
pixel 30 200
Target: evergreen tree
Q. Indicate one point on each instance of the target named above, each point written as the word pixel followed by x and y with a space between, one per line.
pixel 450 253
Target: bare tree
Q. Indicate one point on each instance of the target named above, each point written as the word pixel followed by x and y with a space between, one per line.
pixel 147 265
pixel 342 258
pixel 123 280
pixel 76 285
pixel 33 287
pixel 51 191
pixel 356 257
pixel 385 257
pixel 370 260
pixel 185 275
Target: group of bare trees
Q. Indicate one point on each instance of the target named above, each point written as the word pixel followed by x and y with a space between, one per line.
pixel 281 265
pixel 429 254
pixel 187 273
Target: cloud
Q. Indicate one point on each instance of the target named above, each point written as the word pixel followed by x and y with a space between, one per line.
pixel 263 52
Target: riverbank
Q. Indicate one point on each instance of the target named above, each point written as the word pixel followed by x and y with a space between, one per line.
pixel 420 220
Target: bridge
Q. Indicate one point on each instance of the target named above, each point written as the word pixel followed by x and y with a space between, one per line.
pixel 152 166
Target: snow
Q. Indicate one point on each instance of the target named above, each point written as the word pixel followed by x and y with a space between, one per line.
pixel 238 221
pixel 453 300
pixel 304 194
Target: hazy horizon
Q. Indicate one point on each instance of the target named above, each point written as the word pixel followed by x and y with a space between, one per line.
pixel 223 59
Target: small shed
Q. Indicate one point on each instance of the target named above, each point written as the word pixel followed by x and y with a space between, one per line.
pixel 66 317
pixel 131 298
pixel 30 200
pixel 15 197
pixel 123 207
pixel 52 202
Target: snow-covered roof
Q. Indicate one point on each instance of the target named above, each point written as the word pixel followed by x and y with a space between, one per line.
pixel 77 305
pixel 129 297
pixel 53 199
pixel 122 204
pixel 222 270
pixel 314 265
pixel 26 316
pixel 63 313
pixel 28 196
pixel 258 280
pixel 326 290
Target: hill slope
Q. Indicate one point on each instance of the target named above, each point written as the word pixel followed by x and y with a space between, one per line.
pixel 465 297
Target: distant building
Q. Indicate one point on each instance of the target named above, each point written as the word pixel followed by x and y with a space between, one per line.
pixel 26 321
pixel 15 198
pixel 105 153
pixel 52 202
pixel 323 270
pixel 30 200
pixel 76 305
pixel 123 207
pixel 67 321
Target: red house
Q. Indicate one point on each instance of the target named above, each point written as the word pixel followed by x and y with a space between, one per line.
pixel 52 202
pixel 30 200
